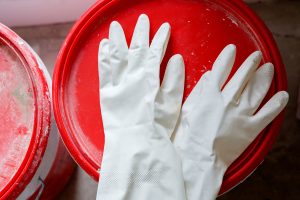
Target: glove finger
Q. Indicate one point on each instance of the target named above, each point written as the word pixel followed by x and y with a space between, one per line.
pixel 223 65
pixel 270 110
pixel 157 50
pixel 160 42
pixel 117 36
pixel 195 96
pixel 118 52
pixel 169 99
pixel 104 69
pixel 188 106
pixel 235 86
pixel 257 89
pixel 140 38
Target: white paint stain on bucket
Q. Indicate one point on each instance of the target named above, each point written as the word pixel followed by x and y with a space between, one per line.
pixel 34 162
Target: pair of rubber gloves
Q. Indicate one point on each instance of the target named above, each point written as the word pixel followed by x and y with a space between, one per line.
pixel 213 127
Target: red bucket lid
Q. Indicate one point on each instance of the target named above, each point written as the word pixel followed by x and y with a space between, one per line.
pixel 199 31
pixel 24 114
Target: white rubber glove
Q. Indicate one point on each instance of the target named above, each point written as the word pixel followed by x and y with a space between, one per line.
pixel 139 162
pixel 216 125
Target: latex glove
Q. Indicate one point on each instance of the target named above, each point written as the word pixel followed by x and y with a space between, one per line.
pixel 217 125
pixel 139 161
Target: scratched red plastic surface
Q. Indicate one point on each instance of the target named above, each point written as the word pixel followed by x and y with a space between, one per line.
pixel 16 114
pixel 199 31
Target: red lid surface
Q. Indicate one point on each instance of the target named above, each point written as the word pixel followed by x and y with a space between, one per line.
pixel 24 114
pixel 199 31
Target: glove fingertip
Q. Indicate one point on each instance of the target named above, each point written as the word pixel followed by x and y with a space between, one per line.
pixel 176 60
pixel 103 43
pixel 283 98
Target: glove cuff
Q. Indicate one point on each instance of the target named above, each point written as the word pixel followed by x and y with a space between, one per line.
pixel 203 179
pixel 139 163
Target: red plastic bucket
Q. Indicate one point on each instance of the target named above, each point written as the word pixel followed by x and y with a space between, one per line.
pixel 199 31
pixel 34 163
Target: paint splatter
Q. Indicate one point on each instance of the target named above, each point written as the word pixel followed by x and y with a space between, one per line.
pixel 16 113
